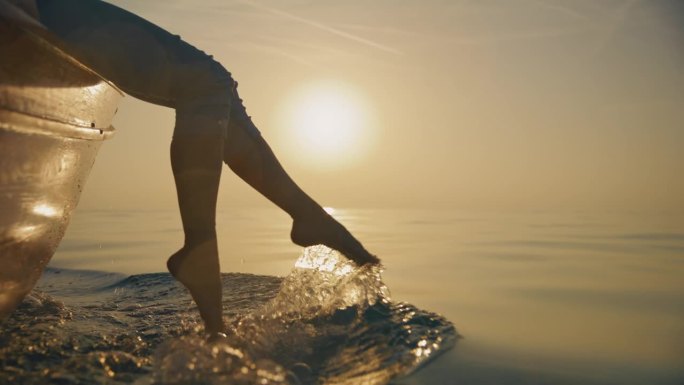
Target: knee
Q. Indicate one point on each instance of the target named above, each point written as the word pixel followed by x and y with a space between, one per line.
pixel 238 145
pixel 204 104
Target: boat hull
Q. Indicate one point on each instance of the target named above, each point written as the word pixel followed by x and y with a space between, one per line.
pixel 54 115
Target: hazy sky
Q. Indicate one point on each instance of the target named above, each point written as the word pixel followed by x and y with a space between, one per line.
pixel 499 103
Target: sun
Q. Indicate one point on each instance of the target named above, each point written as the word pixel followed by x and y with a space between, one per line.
pixel 328 124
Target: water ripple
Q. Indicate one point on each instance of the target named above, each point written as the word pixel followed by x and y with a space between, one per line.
pixel 328 322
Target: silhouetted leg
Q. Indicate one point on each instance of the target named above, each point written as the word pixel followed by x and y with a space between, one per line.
pixel 156 66
pixel 151 64
pixel 250 157
pixel 196 164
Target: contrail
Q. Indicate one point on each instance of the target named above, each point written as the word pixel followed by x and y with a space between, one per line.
pixel 322 27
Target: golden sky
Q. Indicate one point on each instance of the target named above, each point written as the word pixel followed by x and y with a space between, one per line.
pixel 498 103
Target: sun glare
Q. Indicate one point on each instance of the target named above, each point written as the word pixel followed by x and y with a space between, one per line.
pixel 328 124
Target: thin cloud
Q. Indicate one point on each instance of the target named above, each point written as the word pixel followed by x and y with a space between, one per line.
pixel 322 27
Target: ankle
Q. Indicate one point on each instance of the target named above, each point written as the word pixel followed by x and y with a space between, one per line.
pixel 196 238
pixel 308 212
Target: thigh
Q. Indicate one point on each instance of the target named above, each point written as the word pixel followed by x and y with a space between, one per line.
pixel 141 58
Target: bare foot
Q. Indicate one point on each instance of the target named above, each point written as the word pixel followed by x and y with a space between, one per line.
pixel 321 228
pixel 197 268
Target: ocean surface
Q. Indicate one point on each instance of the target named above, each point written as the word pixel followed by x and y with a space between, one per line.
pixel 464 297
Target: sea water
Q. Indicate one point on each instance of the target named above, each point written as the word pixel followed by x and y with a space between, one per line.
pixel 537 297
pixel 328 321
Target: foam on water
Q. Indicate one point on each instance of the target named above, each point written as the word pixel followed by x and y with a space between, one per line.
pixel 328 322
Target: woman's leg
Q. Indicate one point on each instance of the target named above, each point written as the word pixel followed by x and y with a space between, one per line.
pixel 156 66
pixel 196 264
pixel 250 157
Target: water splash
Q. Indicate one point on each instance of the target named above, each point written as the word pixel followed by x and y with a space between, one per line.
pixel 331 322
pixel 323 281
pixel 327 322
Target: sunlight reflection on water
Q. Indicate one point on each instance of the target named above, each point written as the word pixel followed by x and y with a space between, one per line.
pixel 314 326
pixel 602 289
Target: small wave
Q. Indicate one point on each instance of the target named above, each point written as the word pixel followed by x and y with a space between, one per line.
pixel 328 322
